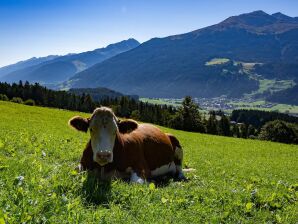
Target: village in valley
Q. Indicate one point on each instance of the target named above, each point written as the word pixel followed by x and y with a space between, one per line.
pixel 227 105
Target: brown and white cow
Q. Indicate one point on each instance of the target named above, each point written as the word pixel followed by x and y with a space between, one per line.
pixel 140 150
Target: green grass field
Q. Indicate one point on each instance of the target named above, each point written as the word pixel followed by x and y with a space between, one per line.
pixel 236 180
pixel 259 105
pixel 272 85
pixel 162 101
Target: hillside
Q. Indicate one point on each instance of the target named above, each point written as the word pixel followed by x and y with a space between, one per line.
pixel 99 93
pixel 289 96
pixel 23 64
pixel 175 66
pixel 62 68
pixel 236 180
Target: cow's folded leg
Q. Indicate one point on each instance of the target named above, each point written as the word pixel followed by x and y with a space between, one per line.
pixel 179 173
pixel 134 178
pixel 79 168
pixel 178 162
pixel 181 177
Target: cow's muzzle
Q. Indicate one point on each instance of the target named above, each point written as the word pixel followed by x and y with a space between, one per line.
pixel 102 158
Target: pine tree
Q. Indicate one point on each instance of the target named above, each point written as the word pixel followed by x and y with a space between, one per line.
pixel 235 131
pixel 224 126
pixel 190 115
pixel 211 126
pixel 243 131
pixel 251 131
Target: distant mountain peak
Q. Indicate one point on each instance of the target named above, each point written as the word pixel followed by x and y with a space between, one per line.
pixel 257 13
pixel 129 42
pixel 54 69
pixel 255 19
pixel 132 40
pixel 258 22
pixel 282 17
pixel 277 14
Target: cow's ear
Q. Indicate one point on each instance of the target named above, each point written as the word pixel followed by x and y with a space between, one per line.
pixel 79 123
pixel 127 126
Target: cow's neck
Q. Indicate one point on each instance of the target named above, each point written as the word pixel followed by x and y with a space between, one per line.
pixel 102 170
pixel 119 144
pixel 118 151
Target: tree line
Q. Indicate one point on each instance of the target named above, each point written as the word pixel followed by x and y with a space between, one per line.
pixel 35 94
pixel 258 118
pixel 241 123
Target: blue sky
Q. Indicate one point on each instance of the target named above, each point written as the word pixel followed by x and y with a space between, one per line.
pixel 43 27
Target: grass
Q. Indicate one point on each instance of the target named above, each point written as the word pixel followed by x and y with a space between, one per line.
pixel 248 67
pixel 272 85
pixel 252 104
pixel 217 61
pixel 170 102
pixel 285 108
pixel 236 180
pixel 162 101
pixel 260 105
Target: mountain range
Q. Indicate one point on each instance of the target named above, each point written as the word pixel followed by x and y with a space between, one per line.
pixel 229 58
pixel 23 64
pixel 56 69
pixel 99 93
pixel 208 62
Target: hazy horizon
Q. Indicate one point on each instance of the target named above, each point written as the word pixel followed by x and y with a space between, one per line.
pixel 40 28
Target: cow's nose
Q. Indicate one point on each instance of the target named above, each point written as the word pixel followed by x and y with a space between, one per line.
pixel 103 155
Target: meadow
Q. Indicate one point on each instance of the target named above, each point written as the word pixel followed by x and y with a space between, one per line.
pixel 162 101
pixel 235 181
pixel 260 105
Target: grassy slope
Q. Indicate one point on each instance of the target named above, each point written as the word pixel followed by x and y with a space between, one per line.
pixel 217 61
pixel 235 180
pixel 162 101
pixel 259 105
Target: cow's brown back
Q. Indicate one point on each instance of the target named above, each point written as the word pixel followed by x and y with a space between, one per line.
pixel 147 144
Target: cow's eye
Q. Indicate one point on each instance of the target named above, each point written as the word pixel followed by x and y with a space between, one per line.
pixel 91 129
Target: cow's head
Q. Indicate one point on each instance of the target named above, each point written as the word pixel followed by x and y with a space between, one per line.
pixel 103 130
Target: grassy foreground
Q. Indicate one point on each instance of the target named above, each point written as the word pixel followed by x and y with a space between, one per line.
pixel 236 180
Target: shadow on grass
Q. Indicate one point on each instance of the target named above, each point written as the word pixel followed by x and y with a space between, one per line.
pixel 95 191
pixel 164 181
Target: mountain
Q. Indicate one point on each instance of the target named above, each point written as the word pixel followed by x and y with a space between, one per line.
pixel 23 64
pixel 287 96
pixel 207 62
pixel 99 93
pixel 61 68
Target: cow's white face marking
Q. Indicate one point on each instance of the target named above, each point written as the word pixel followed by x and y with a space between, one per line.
pixel 103 130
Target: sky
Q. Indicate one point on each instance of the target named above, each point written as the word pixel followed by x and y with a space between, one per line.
pixel 56 27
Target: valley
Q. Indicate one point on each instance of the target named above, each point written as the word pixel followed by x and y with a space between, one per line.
pixel 256 99
pixel 228 105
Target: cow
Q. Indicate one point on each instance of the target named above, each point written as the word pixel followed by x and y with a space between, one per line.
pixel 126 148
